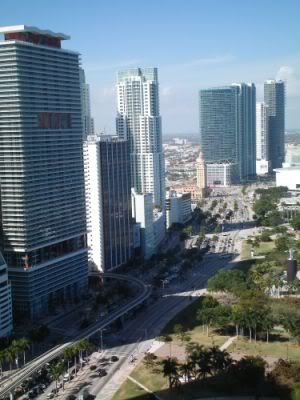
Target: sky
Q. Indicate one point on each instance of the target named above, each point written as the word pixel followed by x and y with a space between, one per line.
pixel 194 43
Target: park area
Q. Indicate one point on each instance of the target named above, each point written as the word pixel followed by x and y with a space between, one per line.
pixel 187 330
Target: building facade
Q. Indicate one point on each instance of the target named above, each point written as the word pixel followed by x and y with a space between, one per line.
pixel 221 174
pixel 6 319
pixel 108 201
pixel 41 170
pixel 262 139
pixel 246 137
pixel 201 175
pixel 292 155
pixel 288 176
pixel 227 133
pixel 178 208
pixel 274 98
pixel 87 120
pixel 142 213
pixel 139 122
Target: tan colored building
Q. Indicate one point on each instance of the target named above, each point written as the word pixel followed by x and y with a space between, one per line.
pixel 201 174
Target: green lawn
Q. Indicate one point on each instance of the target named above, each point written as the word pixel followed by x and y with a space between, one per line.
pixel 264 248
pixel 275 349
pixel 129 390
pixel 188 319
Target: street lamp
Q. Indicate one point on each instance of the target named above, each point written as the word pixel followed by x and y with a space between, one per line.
pixel 101 338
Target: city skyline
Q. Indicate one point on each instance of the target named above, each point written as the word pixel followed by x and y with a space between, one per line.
pixel 195 58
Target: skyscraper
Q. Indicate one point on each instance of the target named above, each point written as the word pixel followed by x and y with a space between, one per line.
pixel 227 133
pixel 6 320
pixel 41 170
pixel 108 200
pixel 87 120
pixel 246 138
pixel 218 134
pixel 274 98
pixel 262 139
pixel 139 122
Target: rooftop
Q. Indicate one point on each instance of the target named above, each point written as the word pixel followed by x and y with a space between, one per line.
pixel 32 29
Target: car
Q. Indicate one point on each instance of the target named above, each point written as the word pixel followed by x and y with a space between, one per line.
pixel 50 395
pixel 102 372
pixel 66 378
pixel 93 367
pixel 114 358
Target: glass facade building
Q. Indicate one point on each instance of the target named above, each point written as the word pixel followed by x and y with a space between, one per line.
pixel 274 98
pixel 6 320
pixel 227 132
pixel 108 200
pixel 41 170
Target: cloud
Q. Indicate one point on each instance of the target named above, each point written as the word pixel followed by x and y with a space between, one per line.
pixel 166 91
pixel 290 76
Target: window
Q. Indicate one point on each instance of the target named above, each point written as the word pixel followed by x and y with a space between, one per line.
pixel 48 120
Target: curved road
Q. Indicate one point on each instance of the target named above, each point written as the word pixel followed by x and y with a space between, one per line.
pixel 20 375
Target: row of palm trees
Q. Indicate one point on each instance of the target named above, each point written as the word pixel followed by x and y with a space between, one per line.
pixel 13 352
pixel 71 353
pixel 200 363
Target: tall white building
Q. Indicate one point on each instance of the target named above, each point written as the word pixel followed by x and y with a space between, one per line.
pixel 139 122
pixel 108 201
pixel 87 120
pixel 262 139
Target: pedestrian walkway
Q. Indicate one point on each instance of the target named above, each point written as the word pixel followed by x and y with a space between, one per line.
pixel 228 343
pixel 144 387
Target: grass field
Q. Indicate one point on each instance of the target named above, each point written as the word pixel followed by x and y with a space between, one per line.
pixel 264 248
pixel 188 319
pixel 275 349
pixel 129 390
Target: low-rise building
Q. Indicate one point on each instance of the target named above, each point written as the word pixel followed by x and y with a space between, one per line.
pixel 288 176
pixel 221 174
pixel 195 192
pixel 178 208
pixel 150 220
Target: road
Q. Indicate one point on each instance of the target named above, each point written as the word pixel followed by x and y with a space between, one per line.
pixel 140 333
pixel 14 380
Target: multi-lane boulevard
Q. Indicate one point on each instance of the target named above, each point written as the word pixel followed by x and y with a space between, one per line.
pixel 144 291
pixel 139 333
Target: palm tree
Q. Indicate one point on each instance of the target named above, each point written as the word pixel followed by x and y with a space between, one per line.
pixel 15 347
pixel 23 345
pixel 10 354
pixel 68 355
pixel 204 363
pixel 170 370
pixel 220 359
pixel 2 359
pixel 185 370
pixel 83 345
pixel 194 350
pixel 56 370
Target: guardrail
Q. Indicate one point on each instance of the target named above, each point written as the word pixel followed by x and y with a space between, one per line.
pixel 23 373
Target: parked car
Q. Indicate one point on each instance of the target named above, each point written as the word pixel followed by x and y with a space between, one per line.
pixel 102 372
pixel 114 358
